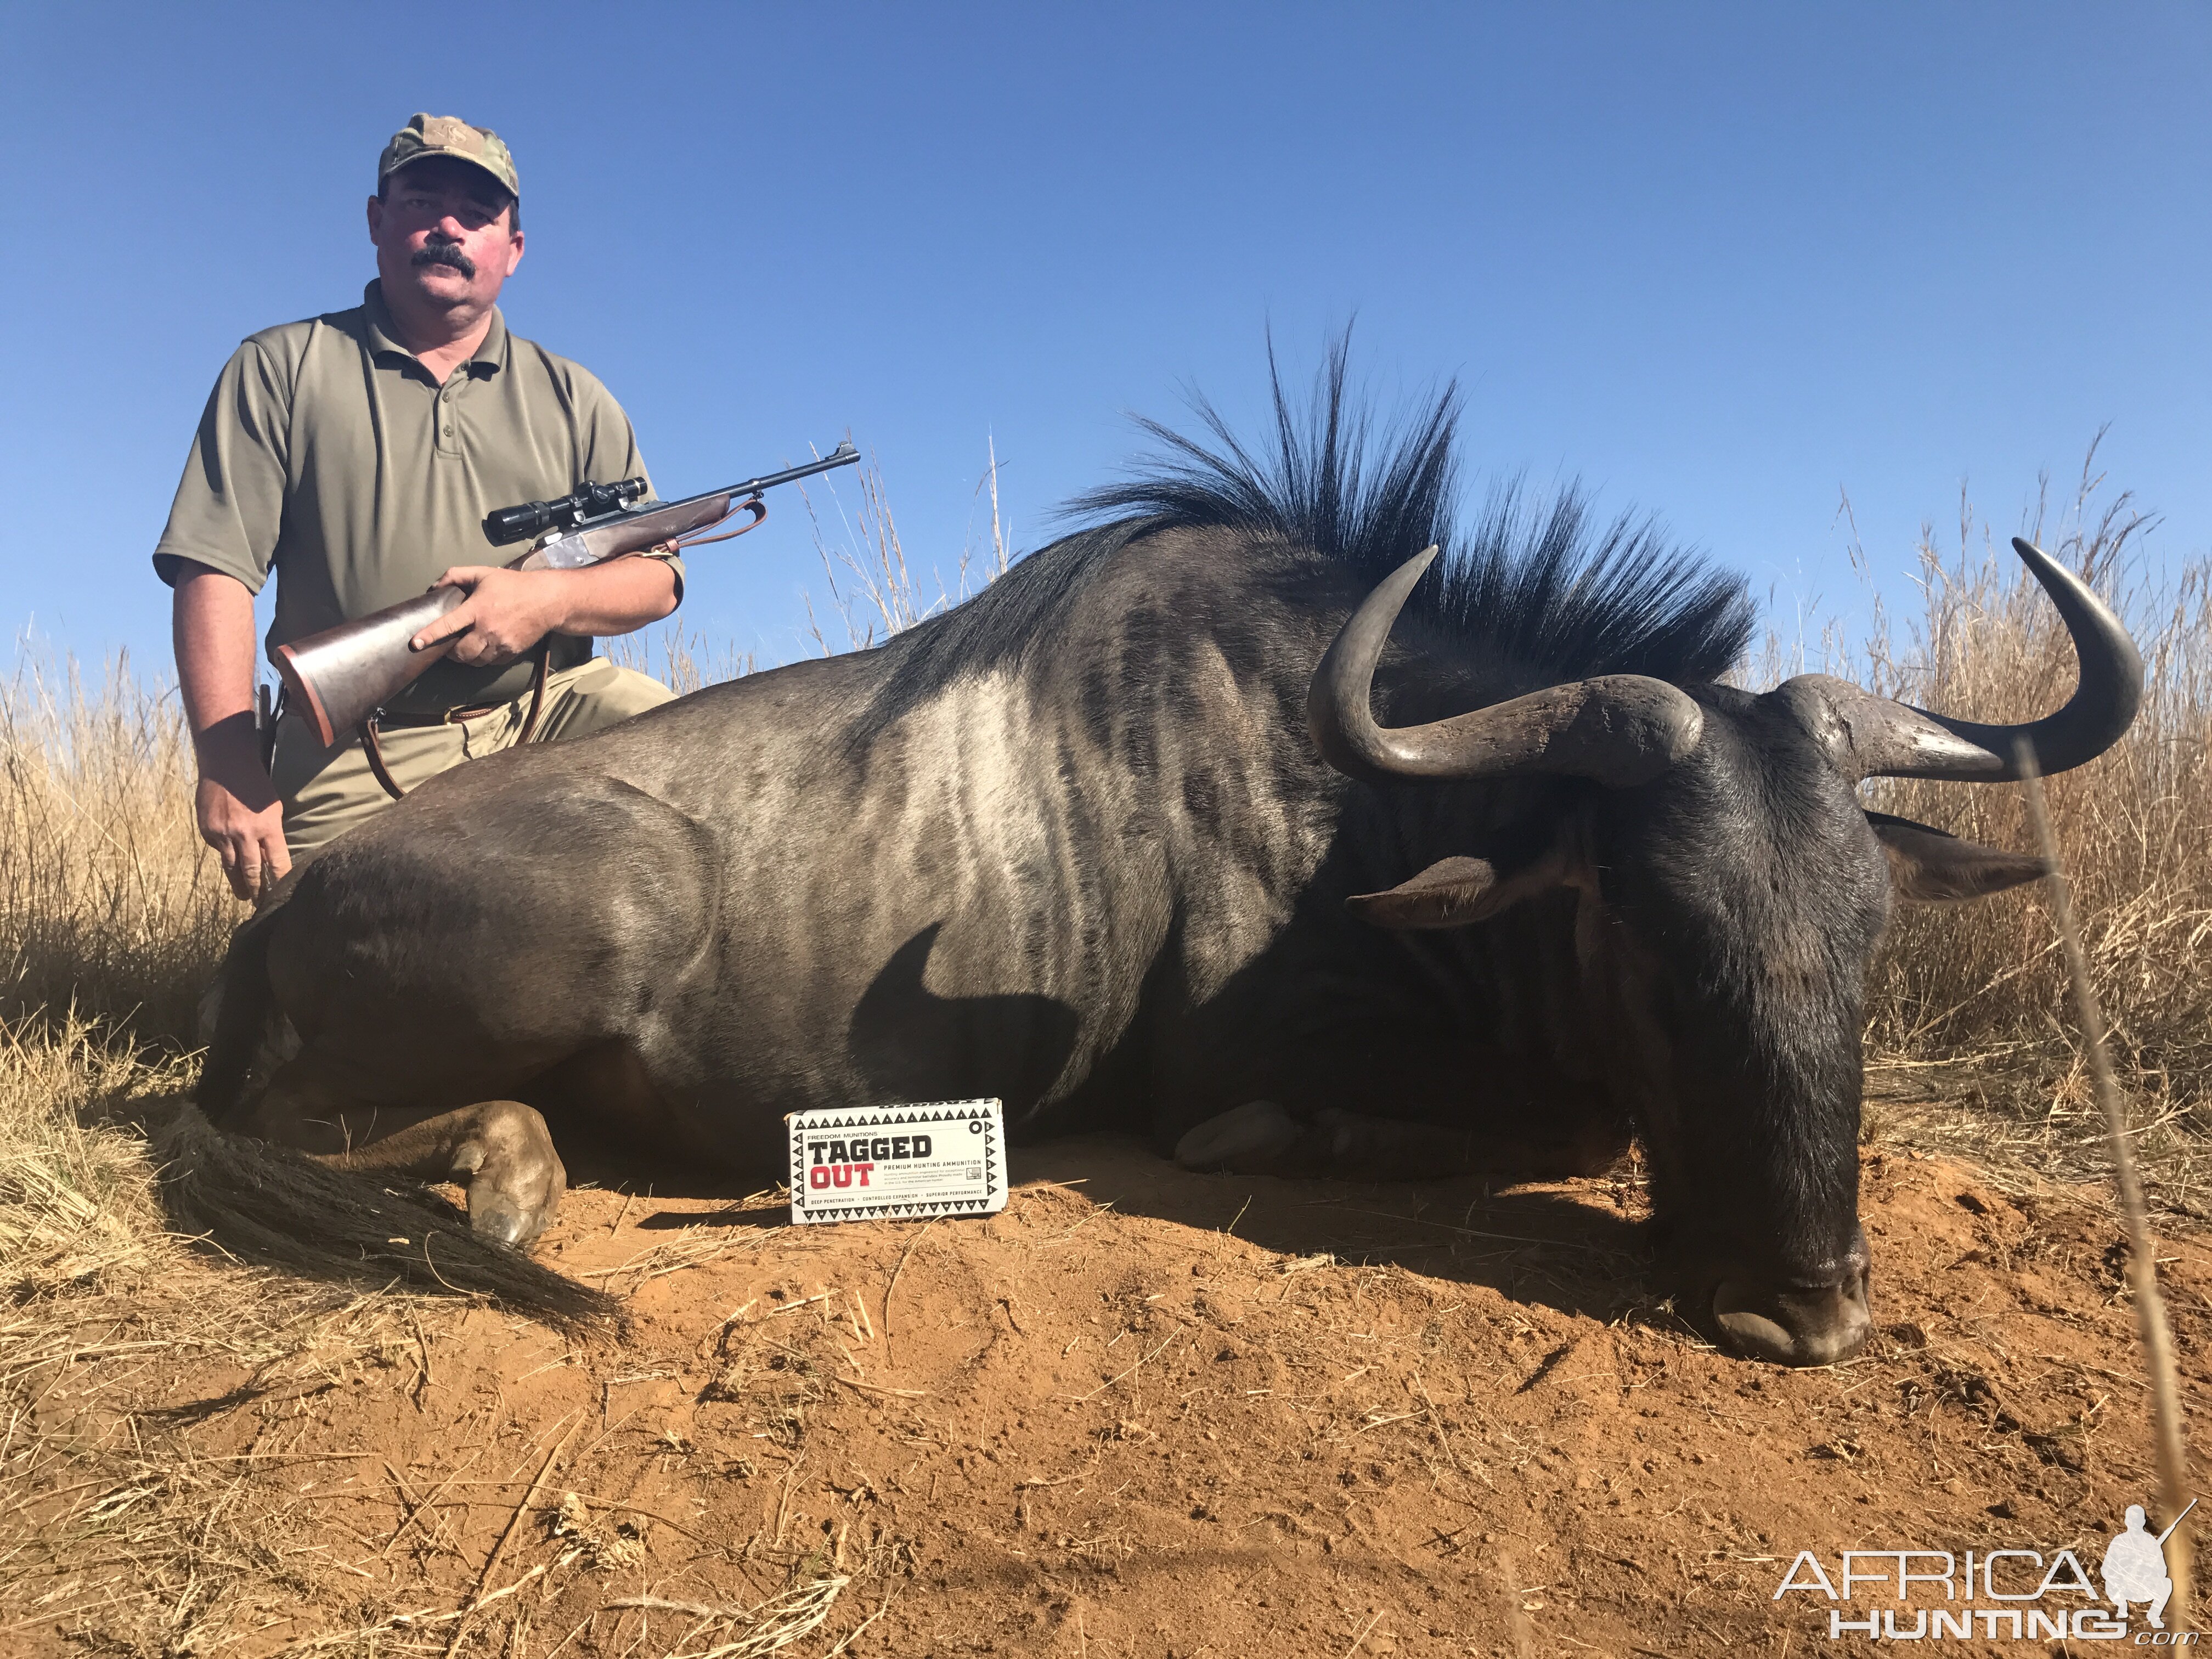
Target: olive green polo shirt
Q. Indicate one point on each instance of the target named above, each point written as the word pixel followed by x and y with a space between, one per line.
pixel 329 454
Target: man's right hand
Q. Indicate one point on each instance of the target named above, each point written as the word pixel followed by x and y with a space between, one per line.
pixel 235 806
pixel 237 810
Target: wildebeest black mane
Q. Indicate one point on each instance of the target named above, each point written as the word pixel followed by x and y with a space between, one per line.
pixel 1539 584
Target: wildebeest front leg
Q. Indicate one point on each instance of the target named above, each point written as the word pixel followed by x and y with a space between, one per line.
pixel 1262 1137
pixel 499 1149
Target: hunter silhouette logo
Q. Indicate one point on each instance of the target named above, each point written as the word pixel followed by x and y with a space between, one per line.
pixel 2135 1567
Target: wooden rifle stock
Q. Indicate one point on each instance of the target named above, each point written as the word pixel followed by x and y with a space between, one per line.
pixel 338 677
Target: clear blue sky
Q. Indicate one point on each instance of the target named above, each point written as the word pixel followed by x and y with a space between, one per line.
pixel 1721 261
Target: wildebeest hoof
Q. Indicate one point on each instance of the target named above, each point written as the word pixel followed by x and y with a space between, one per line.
pixel 1793 1327
pixel 514 1177
pixel 1254 1134
pixel 502 1224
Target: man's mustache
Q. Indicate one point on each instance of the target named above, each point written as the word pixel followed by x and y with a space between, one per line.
pixel 445 253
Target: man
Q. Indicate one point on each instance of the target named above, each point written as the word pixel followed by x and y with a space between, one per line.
pixel 356 455
pixel 2135 1570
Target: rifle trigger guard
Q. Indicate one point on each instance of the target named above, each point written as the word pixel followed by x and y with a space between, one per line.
pixel 753 505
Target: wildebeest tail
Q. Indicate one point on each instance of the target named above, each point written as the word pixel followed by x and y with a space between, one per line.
pixel 279 1208
pixel 269 1204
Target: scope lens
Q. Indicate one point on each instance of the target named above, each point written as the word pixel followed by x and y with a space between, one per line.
pixel 511 524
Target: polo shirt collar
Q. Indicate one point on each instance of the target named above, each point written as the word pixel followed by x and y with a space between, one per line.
pixel 492 352
pixel 491 355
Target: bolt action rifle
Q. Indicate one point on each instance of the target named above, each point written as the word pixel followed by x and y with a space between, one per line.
pixel 343 676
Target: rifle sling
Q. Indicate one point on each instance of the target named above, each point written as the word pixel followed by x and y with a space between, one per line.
pixel 756 506
pixel 373 750
pixel 538 689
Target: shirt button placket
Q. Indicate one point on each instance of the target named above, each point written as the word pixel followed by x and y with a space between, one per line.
pixel 444 417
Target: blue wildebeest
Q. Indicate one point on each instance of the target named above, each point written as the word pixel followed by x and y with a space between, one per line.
pixel 1234 820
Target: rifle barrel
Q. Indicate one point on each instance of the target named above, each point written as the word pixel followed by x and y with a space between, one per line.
pixel 843 455
pixel 2178 1520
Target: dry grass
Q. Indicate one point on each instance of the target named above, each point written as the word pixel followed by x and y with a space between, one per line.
pixel 680 656
pixel 873 591
pixel 75 1203
pixel 109 901
pixel 119 1531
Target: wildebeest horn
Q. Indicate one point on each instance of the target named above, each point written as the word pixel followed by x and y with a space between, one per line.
pixel 1619 730
pixel 1872 737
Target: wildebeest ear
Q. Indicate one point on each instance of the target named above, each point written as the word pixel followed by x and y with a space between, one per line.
pixel 1453 893
pixel 1925 863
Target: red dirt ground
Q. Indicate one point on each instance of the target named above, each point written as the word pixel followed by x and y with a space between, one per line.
pixel 1149 1413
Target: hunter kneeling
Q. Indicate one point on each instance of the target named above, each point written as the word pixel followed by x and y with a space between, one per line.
pixel 356 454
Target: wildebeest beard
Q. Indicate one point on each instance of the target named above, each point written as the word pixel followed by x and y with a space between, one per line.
pixel 445 253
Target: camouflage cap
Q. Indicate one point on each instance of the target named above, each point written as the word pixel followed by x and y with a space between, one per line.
pixel 449 135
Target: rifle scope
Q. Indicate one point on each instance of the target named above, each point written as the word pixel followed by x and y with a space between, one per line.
pixel 589 501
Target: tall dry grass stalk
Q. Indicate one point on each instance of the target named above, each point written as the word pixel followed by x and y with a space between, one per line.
pixel 2169 1438
pixel 109 900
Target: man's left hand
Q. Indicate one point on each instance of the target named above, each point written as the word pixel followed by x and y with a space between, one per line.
pixel 504 614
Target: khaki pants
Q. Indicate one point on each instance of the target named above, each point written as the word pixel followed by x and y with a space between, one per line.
pixel 328 790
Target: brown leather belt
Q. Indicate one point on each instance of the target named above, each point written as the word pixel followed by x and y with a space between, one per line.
pixel 400 719
pixel 374 751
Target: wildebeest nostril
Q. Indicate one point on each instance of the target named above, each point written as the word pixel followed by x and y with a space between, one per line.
pixel 1793 1327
